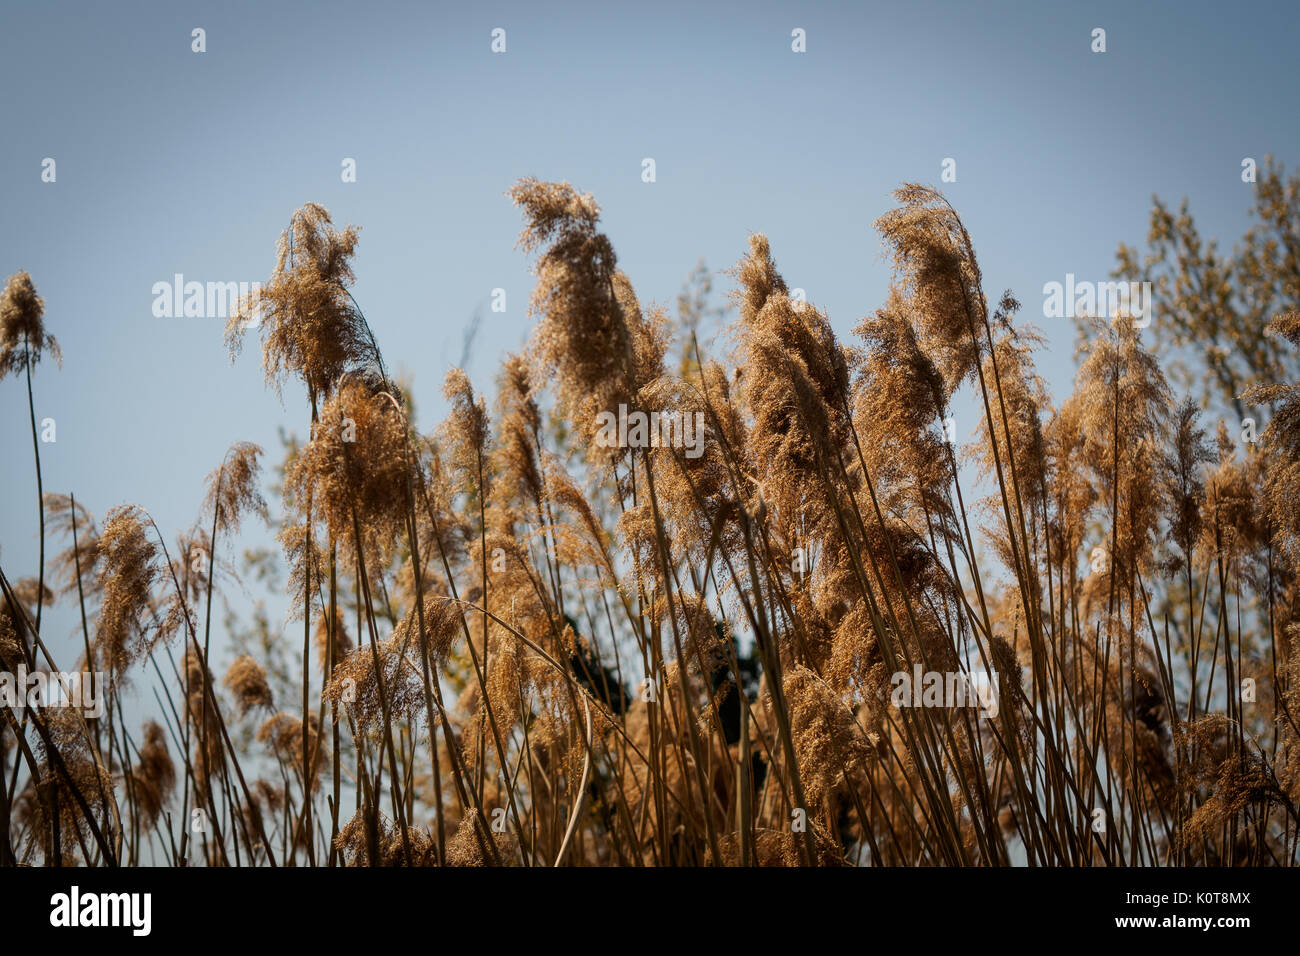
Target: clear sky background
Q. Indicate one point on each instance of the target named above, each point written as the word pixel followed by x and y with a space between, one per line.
pixel 170 161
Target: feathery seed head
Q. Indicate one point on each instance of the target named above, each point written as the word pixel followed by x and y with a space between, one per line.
pixel 310 325
pixel 22 331
pixel 246 679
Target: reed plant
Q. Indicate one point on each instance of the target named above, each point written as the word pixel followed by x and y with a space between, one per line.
pixel 517 644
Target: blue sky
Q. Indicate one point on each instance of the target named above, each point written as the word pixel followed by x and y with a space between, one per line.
pixel 170 161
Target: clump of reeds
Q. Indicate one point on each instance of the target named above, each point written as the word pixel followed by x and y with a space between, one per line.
pixel 522 645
